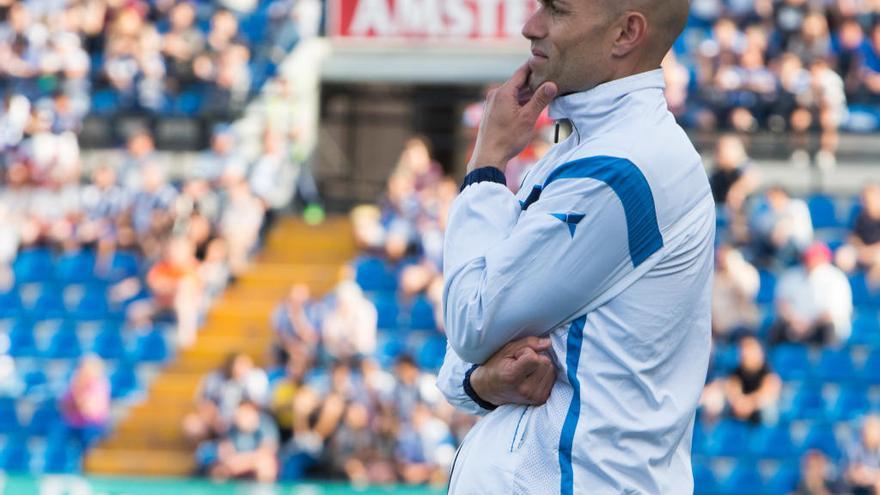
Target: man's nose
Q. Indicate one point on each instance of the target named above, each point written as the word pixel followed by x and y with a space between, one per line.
pixel 535 28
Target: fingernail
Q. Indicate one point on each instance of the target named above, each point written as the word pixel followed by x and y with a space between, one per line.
pixel 550 90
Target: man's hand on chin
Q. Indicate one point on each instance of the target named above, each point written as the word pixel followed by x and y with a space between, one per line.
pixel 519 373
pixel 508 123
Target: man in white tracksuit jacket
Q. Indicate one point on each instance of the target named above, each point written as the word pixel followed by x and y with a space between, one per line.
pixel 584 300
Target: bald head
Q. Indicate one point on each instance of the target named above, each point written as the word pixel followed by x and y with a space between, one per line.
pixel 666 19
pixel 579 44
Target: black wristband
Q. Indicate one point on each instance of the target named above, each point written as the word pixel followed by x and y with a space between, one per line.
pixel 469 390
pixel 483 174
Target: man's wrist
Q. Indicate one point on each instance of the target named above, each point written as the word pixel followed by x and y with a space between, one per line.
pixel 476 387
pixel 483 174
pixel 484 159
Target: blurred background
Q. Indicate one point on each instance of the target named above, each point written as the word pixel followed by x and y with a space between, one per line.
pixel 221 228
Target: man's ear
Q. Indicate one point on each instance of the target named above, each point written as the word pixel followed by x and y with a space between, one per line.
pixel 632 30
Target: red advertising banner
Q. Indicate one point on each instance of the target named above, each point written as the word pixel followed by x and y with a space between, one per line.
pixel 430 19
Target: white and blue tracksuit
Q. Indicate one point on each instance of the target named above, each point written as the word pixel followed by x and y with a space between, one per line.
pixel 608 250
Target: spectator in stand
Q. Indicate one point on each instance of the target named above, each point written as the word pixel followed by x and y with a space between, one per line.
pixel 734 312
pixel 734 177
pixel 865 236
pixel 357 450
pixel 349 327
pixel 829 108
pixel 286 390
pixel 181 44
pixel 85 406
pixel 103 202
pixel 140 150
pixel 240 224
pixel 752 389
pixel 177 287
pixel 733 180
pixel 818 476
pixel 249 449
pixel 862 463
pixel 222 158
pixel 870 66
pixel 813 301
pixel 783 227
pixel 296 320
pixel 424 451
pixel 220 394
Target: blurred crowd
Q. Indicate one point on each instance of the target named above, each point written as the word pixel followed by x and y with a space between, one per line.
pixel 336 402
pixel 60 60
pixel 791 66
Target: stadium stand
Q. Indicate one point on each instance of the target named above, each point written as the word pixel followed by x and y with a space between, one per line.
pixel 103 282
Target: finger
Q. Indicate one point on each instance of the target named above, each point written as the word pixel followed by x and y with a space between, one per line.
pixel 526 362
pixel 537 344
pixel 542 97
pixel 520 77
pixel 536 388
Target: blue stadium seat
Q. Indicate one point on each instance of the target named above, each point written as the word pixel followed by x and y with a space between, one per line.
pixel 389 350
pixel 21 339
pixel 744 478
pixel 823 212
pixel 725 359
pixel 123 381
pixel 704 480
pixel 772 442
pixel 151 347
pixel 785 479
pixel 8 416
pixel 863 295
pixel 75 267
pixel 33 265
pixel 430 355
pixel 62 456
pixel 46 417
pixel 108 343
pixel 851 403
pixel 728 439
pixel 422 314
pixel 767 287
pixel 64 343
pixel 372 274
pixel 188 103
pixel 791 361
pixel 15 457
pixel 865 328
pixel 93 305
pixel 104 102
pixel 123 265
pixel 10 303
pixel 871 370
pixel 854 211
pixel 50 303
pixel 34 381
pixel 388 309
pixel 808 403
pixel 821 437
pixel 835 365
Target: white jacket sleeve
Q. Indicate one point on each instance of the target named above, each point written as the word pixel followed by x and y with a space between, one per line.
pixel 510 273
pixel 450 381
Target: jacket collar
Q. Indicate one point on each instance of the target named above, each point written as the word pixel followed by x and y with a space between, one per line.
pixel 588 109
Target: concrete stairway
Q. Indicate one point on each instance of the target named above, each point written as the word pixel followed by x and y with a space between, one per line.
pixel 149 440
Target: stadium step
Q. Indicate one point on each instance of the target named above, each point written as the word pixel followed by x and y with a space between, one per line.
pixel 149 441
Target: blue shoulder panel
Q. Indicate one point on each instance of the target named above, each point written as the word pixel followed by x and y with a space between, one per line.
pixel 630 186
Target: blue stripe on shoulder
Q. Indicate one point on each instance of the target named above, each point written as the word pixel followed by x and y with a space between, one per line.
pixel 566 439
pixel 630 186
